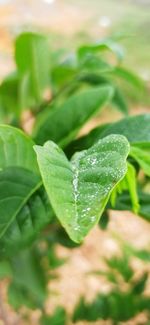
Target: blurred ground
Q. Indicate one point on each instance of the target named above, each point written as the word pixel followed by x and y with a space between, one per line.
pixel 79 20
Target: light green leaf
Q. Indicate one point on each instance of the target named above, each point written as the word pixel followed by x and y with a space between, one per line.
pixel 128 183
pixel 105 44
pixel 9 91
pixel 61 124
pixel 142 157
pixel 32 58
pixel 95 64
pixel 5 269
pixel 79 190
pixel 16 149
pixel 130 77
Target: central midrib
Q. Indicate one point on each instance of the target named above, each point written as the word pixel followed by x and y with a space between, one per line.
pixel 75 187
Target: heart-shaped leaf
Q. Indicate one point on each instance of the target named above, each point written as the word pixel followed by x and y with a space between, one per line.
pixel 79 190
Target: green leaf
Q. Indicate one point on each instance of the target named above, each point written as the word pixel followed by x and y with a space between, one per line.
pixel 123 202
pixel 139 286
pixel 119 101
pixel 58 318
pixel 29 281
pixel 16 149
pixel 62 74
pixel 95 64
pixel 128 183
pixel 126 127
pixel 61 124
pixel 104 220
pixel 130 77
pixel 129 125
pixel 142 157
pixel 121 264
pixel 106 44
pixel 9 91
pixel 5 269
pixel 79 190
pixel 17 185
pixel 86 141
pixel 24 206
pixel 131 182
pixel 32 59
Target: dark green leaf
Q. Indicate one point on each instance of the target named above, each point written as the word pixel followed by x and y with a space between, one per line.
pixel 120 101
pixel 58 318
pixel 129 183
pixel 104 220
pixel 28 286
pixel 61 124
pixel 122 266
pixel 140 285
pixel 24 206
pixel 126 127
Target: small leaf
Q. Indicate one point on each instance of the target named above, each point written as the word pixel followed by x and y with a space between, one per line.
pixel 130 77
pixel 106 44
pixel 58 318
pixel 79 190
pixel 139 286
pixel 104 220
pixel 9 91
pixel 121 264
pixel 128 183
pixel 119 101
pixel 142 157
